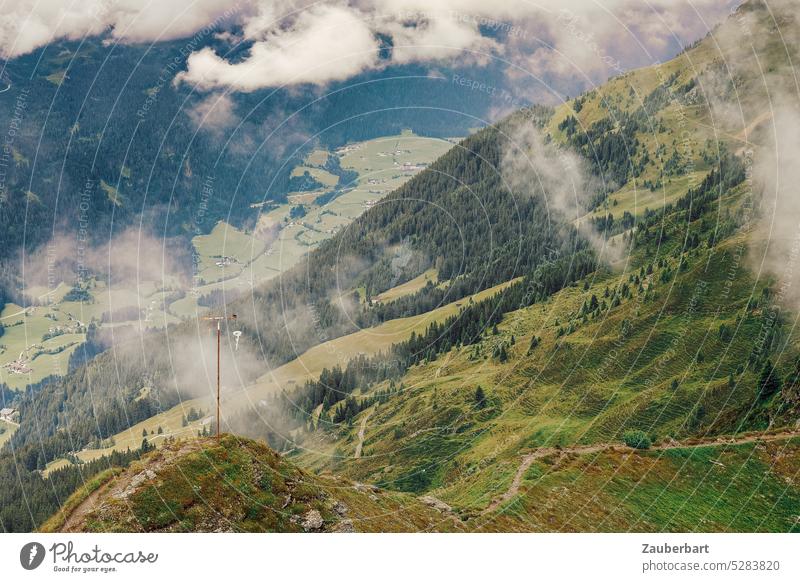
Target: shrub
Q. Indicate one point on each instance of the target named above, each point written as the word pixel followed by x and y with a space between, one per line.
pixel 480 398
pixel 636 439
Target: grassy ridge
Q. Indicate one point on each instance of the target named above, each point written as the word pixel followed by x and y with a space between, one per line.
pixel 236 484
pixel 56 522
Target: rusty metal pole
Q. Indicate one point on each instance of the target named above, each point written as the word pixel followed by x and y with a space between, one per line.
pixel 219 319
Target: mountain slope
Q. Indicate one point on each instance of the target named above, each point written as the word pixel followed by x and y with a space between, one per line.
pixel 239 485
pixel 682 340
pixel 464 184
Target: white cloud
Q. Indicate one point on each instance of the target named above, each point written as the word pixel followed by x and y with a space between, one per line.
pixel 325 43
pixel 214 113
pixel 26 25
pixel 559 177
pixel 296 42
pixel 588 42
pixel 429 37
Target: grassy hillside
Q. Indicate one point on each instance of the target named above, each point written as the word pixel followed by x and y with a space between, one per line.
pixel 660 361
pixel 294 373
pixel 237 485
pixel 674 119
pixel 752 487
pixel 679 340
pixel 241 485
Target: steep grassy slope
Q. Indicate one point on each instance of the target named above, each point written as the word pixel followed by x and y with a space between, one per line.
pixel 660 361
pixel 679 340
pixel 672 120
pixel 239 485
pixel 752 487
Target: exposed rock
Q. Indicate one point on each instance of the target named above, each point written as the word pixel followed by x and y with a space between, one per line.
pixel 431 501
pixel 134 483
pixel 340 508
pixel 345 526
pixel 312 520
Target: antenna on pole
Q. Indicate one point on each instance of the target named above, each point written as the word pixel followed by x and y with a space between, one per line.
pixel 219 319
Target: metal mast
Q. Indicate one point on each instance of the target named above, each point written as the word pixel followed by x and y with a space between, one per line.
pixel 219 319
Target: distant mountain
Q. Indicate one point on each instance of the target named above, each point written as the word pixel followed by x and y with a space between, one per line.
pixel 102 136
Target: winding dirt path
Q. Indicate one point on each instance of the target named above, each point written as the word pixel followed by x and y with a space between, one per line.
pixel 528 459
pixel 75 518
pixel 744 135
pixel 361 432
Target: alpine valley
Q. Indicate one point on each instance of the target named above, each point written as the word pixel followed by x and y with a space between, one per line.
pixel 579 316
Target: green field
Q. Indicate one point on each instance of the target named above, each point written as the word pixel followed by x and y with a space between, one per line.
pixel 741 488
pixel 224 242
pixel 324 177
pixel 25 329
pixel 383 164
pixel 317 158
pixel 7 430
pixel 65 322
pixel 636 199
pixel 24 341
pixel 55 466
